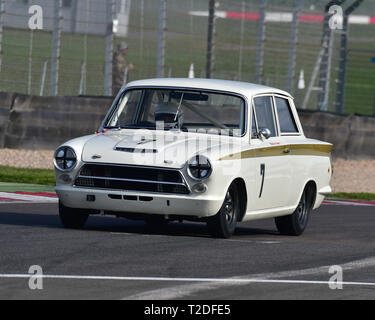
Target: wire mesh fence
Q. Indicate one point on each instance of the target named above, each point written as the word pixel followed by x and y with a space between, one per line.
pixel 283 48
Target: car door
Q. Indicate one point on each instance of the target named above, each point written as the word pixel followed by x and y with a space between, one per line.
pixel 291 133
pixel 270 158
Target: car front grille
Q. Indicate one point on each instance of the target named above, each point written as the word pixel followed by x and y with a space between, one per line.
pixel 131 178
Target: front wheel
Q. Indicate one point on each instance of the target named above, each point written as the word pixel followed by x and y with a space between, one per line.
pixel 296 223
pixel 72 218
pixel 223 224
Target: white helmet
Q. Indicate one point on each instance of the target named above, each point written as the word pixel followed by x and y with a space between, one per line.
pixel 170 114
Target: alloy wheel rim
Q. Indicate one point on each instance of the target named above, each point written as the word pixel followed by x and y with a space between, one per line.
pixel 302 212
pixel 229 208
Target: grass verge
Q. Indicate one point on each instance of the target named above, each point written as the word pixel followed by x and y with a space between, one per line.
pixel 353 196
pixel 30 176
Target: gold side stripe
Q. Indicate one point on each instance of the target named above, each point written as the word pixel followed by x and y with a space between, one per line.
pixel 323 150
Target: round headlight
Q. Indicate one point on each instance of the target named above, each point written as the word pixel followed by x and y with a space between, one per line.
pixel 199 168
pixel 65 158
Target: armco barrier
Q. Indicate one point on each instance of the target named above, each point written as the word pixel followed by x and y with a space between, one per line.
pixel 31 122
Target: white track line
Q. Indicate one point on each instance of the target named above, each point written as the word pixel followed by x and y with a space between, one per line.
pixel 185 290
pixel 165 279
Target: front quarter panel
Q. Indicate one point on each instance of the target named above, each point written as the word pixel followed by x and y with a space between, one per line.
pixel 67 178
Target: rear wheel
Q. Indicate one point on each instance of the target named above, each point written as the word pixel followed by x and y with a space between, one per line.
pixel 296 223
pixel 223 224
pixel 72 218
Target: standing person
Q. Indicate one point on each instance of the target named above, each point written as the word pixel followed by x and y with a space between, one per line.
pixel 119 67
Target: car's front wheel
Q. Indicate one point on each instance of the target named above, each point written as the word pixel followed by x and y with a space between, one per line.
pixel 296 223
pixel 72 218
pixel 223 224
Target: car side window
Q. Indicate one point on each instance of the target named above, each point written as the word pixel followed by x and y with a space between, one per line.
pixel 286 118
pixel 264 114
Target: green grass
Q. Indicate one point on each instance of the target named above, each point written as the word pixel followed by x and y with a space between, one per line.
pixel 353 196
pixel 28 176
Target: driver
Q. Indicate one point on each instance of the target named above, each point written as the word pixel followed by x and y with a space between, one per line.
pixel 170 114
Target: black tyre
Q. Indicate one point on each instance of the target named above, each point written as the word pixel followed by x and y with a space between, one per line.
pixel 223 224
pixel 72 218
pixel 296 223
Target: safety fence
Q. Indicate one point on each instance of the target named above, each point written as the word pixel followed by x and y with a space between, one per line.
pixel 277 43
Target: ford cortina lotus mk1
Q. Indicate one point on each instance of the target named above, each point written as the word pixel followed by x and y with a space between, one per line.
pixel 214 151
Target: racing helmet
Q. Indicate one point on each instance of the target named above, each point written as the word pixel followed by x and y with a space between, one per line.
pixel 170 114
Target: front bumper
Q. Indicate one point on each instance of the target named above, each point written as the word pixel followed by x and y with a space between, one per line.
pixel 200 206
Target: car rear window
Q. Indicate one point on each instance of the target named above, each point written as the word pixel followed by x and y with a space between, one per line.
pixel 286 118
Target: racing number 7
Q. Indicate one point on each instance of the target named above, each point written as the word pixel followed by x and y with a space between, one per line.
pixel 262 173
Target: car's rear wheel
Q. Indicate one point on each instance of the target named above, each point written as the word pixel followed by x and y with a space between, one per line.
pixel 296 223
pixel 72 218
pixel 223 224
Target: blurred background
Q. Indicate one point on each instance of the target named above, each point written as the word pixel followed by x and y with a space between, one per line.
pixel 283 43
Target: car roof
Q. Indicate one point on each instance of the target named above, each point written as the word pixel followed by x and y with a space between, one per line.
pixel 244 88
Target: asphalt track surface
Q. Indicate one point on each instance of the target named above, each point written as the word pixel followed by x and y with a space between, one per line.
pixel 120 259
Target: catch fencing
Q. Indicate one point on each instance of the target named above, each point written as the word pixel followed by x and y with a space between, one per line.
pixel 284 44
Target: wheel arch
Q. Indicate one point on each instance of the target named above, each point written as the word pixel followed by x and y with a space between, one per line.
pixel 241 185
pixel 312 188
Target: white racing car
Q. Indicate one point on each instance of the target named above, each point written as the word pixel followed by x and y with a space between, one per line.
pixel 214 151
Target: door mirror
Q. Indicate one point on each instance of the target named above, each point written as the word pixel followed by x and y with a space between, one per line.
pixel 265 132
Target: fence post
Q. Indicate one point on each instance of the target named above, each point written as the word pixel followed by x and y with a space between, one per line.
pixel 73 16
pixel 260 45
pixel 141 31
pixel 56 44
pixel 325 67
pixel 29 80
pixel 341 81
pixel 81 90
pixel 109 48
pixel 293 45
pixel 240 58
pixel 211 39
pixel 2 14
pixel 161 37
pixel 43 78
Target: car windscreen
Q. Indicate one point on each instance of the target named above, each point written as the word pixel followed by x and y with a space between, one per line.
pixel 187 110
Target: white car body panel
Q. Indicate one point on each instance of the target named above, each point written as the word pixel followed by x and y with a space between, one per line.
pixel 286 174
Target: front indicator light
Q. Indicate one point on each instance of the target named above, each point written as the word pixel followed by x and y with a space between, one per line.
pixel 199 188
